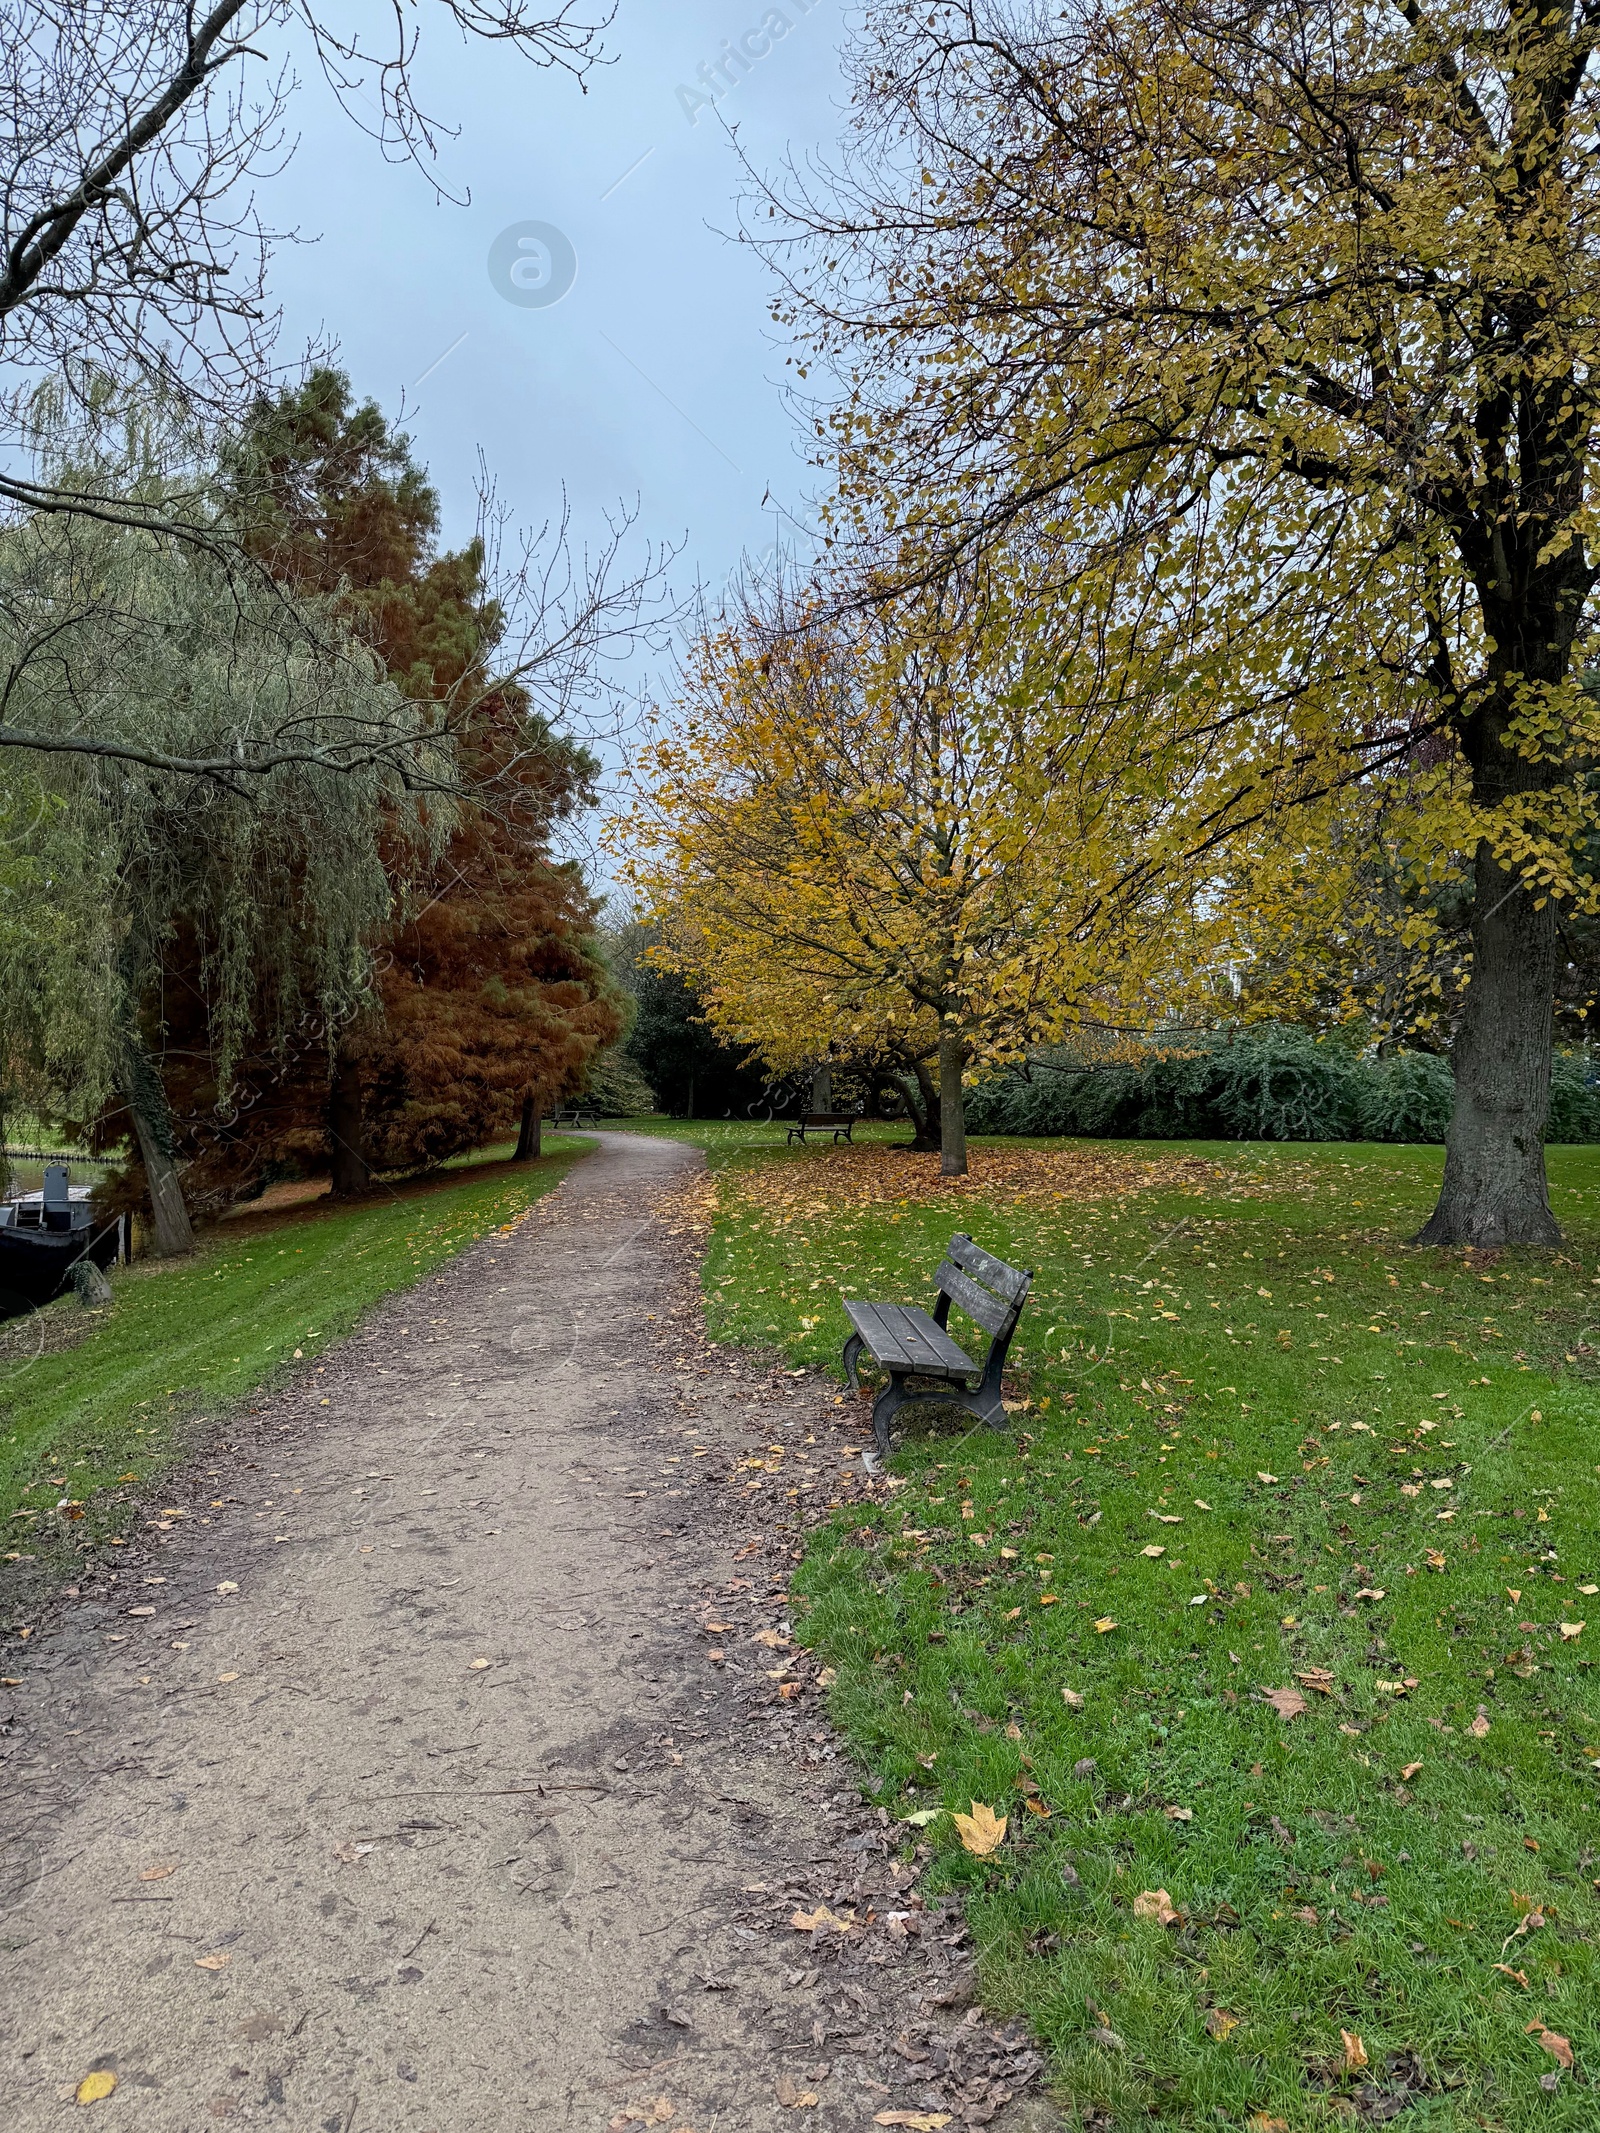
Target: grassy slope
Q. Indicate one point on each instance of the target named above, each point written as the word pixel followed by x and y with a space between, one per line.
pixel 1276 1354
pixel 187 1340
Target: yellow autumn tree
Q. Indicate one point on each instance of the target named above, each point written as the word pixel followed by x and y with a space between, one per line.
pixel 1281 323
pixel 901 832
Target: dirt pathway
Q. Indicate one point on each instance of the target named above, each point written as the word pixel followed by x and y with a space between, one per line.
pixel 395 1788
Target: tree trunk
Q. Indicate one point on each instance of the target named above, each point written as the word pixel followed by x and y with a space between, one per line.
pixel 822 1089
pixel 1494 1189
pixel 352 1174
pixel 952 1105
pixel 174 1232
pixel 922 1108
pixel 530 1134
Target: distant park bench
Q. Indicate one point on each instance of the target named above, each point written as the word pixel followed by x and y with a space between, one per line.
pixel 909 1343
pixel 575 1117
pixel 838 1123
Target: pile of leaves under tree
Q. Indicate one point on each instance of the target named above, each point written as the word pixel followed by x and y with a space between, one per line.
pixel 488 992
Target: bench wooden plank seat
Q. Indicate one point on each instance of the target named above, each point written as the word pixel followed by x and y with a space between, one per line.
pixel 910 1343
pixel 839 1123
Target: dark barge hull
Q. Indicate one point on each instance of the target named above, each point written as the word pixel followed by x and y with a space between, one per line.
pixel 36 1264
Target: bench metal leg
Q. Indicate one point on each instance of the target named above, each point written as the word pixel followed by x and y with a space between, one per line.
pixel 897 1394
pixel 885 1407
pixel 852 1355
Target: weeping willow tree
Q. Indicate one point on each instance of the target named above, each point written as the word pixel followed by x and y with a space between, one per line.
pixel 209 762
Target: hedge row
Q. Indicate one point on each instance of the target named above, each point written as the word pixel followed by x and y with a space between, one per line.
pixel 1271 1083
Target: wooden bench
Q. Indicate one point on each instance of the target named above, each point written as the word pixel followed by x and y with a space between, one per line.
pixel 838 1123
pixel 908 1343
pixel 573 1116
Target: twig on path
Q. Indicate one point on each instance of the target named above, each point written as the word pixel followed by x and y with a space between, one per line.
pixel 142 1899
pixel 631 2074
pixel 497 1792
pixel 417 1943
pixel 350 2121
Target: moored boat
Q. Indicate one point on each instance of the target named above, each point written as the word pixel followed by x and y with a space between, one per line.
pixel 43 1235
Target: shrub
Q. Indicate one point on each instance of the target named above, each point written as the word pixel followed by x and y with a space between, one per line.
pixel 1271 1083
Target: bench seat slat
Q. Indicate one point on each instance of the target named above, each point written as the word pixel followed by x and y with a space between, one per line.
pixel 1007 1281
pixel 901 1335
pixel 993 1313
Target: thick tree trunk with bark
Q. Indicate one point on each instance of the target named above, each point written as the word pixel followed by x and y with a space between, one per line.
pixel 530 1133
pixel 952 1106
pixel 1494 1189
pixel 174 1232
pixel 352 1174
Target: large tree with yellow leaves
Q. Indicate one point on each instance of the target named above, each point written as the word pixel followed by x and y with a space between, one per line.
pixel 886 833
pixel 1280 320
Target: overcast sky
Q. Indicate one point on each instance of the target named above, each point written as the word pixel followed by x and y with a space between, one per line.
pixel 656 376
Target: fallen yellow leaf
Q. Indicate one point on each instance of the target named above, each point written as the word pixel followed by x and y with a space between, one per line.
pixel 809 1921
pixel 917 2121
pixel 158 1873
pixel 1106 1622
pixel 1355 2052
pixel 212 1962
pixel 476 1666
pixel 93 2087
pixel 1156 1904
pixel 227 1677
pixel 1569 1630
pixel 1220 2024
pixel 1410 1770
pixel 982 1831
pixel 1152 1550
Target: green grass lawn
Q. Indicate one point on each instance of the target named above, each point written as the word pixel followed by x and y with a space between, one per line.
pixel 186 1340
pixel 1265 1440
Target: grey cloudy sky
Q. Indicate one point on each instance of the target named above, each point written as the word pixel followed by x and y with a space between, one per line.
pixel 656 377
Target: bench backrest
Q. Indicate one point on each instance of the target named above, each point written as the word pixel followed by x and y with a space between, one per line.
pixel 991 1293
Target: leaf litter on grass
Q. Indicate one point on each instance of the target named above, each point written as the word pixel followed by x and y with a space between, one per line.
pixel 1164 1711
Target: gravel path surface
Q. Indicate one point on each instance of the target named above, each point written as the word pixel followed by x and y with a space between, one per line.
pixel 406 1792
